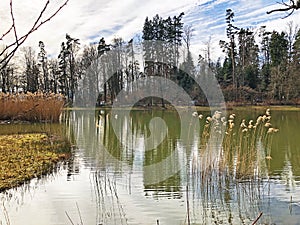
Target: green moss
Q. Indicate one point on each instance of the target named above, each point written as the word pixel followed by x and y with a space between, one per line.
pixel 26 156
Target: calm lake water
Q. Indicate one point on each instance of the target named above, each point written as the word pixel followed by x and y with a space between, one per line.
pixel 127 168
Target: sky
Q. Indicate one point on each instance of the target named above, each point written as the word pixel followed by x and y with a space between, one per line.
pixel 89 20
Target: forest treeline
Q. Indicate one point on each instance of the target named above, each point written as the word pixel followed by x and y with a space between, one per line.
pixel 259 66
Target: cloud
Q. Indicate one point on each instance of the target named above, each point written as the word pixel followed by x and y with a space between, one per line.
pixel 90 20
pixel 208 20
pixel 85 19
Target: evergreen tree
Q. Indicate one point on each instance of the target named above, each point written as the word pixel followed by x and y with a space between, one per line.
pixel 265 60
pixel 168 34
pixel 71 49
pixel 230 48
pixel 68 67
pixel 102 48
pixel 279 62
pixel 63 76
pixel 231 31
pixel 178 31
pixel 54 75
pixel 296 49
pixel 295 68
pixel 248 59
pixel 218 71
pixel 42 59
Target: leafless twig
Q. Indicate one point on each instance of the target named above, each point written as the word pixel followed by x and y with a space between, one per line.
pixel 255 221
pixel 9 51
pixel 69 218
pixel 13 22
pixel 7 32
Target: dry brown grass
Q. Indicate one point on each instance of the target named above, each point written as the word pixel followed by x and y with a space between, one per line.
pixel 37 107
pixel 244 149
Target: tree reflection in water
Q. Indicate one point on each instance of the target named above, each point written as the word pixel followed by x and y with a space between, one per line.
pixel 221 190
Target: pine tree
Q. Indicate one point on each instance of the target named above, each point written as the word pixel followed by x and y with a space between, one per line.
pixel 54 75
pixel 178 31
pixel 71 49
pixel 42 59
pixel 63 80
pixel 279 61
pixel 248 59
pixel 102 48
pixel 295 67
pixel 230 49
pixel 265 59
pixel 231 31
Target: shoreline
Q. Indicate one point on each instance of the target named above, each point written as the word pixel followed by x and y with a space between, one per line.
pixel 230 107
pixel 27 156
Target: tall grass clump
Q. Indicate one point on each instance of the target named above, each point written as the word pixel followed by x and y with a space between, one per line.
pixel 245 146
pixel 34 107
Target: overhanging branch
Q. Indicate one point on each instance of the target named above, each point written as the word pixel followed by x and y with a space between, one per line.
pixel 288 7
pixel 8 52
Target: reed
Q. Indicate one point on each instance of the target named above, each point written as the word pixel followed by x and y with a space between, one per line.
pixel 34 107
pixel 243 148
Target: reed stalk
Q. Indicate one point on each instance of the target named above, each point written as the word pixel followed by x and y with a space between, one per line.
pixel 33 107
pixel 238 153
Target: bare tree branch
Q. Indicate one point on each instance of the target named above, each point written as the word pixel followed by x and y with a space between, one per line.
pixel 7 32
pixel 13 22
pixel 9 50
pixel 291 6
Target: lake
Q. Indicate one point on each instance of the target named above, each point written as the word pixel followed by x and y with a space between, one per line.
pixel 128 168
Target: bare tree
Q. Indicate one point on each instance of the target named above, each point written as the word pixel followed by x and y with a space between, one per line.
pixel 187 35
pixel 208 51
pixel 288 6
pixel 291 32
pixel 31 70
pixel 9 50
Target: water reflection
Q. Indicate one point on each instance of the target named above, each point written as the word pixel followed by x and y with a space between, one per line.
pixel 214 197
pixel 137 175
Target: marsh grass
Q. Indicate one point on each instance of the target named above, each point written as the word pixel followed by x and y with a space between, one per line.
pixel 229 168
pixel 243 147
pixel 37 107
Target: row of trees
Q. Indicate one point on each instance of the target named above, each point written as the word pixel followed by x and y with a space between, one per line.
pixel 266 62
pixel 75 66
pixel 259 65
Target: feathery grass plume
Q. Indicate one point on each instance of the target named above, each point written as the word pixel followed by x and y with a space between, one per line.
pixel 239 154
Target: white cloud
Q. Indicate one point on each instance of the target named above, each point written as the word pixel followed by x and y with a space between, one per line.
pixel 89 20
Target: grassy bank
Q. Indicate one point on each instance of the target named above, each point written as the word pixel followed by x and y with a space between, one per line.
pixel 26 156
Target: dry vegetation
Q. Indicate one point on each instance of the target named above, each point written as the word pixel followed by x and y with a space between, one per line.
pixel 35 107
pixel 26 156
pixel 244 149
